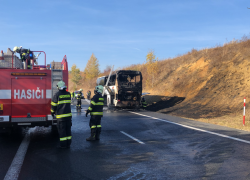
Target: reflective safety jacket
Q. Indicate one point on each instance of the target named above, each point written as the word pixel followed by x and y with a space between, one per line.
pixel 96 106
pixel 79 96
pixel 61 105
pixel 144 104
pixel 24 53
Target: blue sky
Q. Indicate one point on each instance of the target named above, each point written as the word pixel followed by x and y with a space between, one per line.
pixel 120 33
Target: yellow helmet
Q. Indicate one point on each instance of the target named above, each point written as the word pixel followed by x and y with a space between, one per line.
pixel 15 48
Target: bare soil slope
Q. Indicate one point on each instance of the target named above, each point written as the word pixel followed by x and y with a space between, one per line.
pixel 207 86
pixel 193 92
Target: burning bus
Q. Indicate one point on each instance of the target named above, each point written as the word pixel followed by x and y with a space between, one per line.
pixel 123 90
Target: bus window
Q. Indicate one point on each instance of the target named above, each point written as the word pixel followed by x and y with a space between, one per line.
pixel 123 79
pixel 129 79
pixel 100 81
pixel 112 80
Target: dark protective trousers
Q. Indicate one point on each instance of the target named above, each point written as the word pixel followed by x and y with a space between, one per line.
pixel 64 130
pixel 79 102
pixel 95 126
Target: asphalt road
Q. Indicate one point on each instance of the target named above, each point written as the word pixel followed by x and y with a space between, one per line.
pixel 132 146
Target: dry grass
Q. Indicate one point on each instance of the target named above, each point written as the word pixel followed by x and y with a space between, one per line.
pixel 213 82
pixel 232 121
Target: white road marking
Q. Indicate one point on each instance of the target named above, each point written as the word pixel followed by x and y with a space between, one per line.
pixel 197 129
pixel 132 137
pixel 15 167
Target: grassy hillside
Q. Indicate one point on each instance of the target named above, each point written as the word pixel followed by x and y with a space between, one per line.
pixel 207 85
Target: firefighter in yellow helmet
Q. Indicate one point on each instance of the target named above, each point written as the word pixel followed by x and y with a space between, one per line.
pixel 61 107
pixel 96 112
pixel 79 100
pixel 25 54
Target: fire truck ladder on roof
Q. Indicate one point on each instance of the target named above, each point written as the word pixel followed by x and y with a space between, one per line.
pixel 56 76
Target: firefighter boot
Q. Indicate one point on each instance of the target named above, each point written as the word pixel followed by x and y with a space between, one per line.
pixel 98 132
pixel 92 136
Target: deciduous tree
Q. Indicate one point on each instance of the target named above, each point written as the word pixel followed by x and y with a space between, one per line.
pixel 152 67
pixel 75 75
pixel 92 67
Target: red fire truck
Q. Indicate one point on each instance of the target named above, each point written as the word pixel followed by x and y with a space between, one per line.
pixel 25 94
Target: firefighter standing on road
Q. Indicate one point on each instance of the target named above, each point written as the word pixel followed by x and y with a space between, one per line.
pixel 61 107
pixel 79 100
pixel 72 95
pixel 144 103
pixel 88 94
pixel 96 111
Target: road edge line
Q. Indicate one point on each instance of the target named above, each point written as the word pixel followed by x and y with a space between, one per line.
pixel 132 137
pixel 197 129
pixel 17 162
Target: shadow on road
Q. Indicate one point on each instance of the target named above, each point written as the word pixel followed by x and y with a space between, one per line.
pixel 156 103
